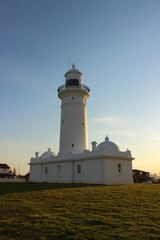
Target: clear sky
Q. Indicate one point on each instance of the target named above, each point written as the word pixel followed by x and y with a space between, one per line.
pixel 114 43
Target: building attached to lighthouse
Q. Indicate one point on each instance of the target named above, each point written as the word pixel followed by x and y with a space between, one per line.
pixel 75 163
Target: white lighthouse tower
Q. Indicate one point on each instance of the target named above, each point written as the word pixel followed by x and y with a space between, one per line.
pixel 74 127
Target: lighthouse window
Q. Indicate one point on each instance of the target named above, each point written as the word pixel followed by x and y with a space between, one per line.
pixel 72 98
pixel 82 124
pixel 72 145
pixel 79 169
pixel 72 82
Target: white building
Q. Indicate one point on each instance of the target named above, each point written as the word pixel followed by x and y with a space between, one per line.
pixel 104 164
pixel 5 173
pixel 4 170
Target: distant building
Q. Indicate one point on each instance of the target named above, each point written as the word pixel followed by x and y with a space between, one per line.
pixel 75 163
pixel 5 171
pixel 140 176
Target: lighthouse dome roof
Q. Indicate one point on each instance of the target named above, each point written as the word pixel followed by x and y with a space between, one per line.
pixel 108 146
pixel 48 153
pixel 73 70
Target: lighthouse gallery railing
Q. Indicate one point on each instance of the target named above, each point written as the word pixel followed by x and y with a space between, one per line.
pixel 80 86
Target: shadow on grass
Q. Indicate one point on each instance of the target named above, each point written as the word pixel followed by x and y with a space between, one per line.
pixel 14 187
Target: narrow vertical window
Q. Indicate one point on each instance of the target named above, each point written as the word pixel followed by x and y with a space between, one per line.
pixel 119 168
pixel 72 145
pixel 58 170
pixel 46 170
pixel 78 169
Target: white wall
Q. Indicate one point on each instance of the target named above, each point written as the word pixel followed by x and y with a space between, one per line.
pixel 95 171
pixel 60 172
pixel 111 174
pixel 36 173
pixel 90 171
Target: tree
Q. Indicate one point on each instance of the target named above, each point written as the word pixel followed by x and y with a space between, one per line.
pixel 14 171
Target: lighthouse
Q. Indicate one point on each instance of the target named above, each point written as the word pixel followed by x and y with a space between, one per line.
pixel 105 163
pixel 73 125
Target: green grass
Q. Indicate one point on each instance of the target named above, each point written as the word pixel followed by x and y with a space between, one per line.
pixel 64 211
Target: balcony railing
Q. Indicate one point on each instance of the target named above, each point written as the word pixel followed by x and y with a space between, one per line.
pixel 80 86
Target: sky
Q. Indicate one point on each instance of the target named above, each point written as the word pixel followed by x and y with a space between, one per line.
pixel 114 43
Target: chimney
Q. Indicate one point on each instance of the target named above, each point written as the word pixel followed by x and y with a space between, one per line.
pixel 94 143
pixel 36 154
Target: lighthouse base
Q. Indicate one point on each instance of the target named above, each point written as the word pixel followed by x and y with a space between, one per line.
pixel 94 167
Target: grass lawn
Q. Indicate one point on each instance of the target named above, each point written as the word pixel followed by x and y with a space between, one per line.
pixel 41 211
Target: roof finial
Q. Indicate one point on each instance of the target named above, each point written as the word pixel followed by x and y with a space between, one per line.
pixel 49 149
pixel 106 138
pixel 73 66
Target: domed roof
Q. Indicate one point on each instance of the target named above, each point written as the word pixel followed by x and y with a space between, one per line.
pixel 48 153
pixel 108 146
pixel 73 70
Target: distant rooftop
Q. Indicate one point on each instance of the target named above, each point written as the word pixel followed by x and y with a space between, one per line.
pixel 3 165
